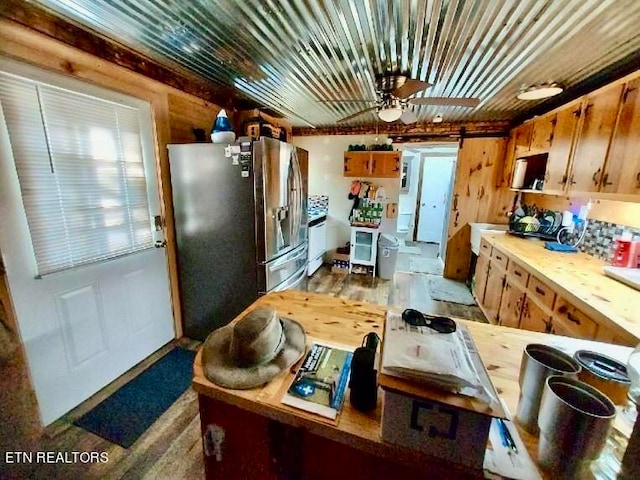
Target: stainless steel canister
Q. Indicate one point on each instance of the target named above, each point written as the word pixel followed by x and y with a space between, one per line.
pixel 538 363
pixel 574 421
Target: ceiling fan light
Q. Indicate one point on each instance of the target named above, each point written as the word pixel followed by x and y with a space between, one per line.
pixel 390 114
pixel 538 92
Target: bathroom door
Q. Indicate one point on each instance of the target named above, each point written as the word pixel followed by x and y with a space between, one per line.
pixel 436 186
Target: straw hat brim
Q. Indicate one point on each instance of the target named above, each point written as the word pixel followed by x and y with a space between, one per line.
pixel 220 368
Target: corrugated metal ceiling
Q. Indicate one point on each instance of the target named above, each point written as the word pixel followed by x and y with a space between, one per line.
pixel 290 55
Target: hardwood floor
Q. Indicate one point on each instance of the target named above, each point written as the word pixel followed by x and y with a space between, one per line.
pixel 405 290
pixel 171 448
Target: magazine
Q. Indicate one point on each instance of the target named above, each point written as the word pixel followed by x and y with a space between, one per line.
pixel 320 383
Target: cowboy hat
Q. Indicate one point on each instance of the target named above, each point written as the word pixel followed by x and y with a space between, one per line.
pixel 253 350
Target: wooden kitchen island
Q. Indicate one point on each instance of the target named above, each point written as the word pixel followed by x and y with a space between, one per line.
pixel 265 439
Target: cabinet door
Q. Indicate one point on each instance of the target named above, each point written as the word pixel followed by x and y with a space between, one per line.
pixel 511 304
pixel 522 138
pixel 385 164
pixel 480 278
pixel 600 113
pixel 542 134
pixel 622 172
pixel 493 292
pixel 566 123
pixel 357 164
pixel 533 317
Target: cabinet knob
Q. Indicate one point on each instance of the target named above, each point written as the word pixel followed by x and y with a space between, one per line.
pixel 595 177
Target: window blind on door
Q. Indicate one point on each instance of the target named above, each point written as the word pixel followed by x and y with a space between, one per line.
pixel 79 161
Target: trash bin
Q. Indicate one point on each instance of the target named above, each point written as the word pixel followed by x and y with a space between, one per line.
pixel 388 247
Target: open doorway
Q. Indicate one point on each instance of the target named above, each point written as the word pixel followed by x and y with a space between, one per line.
pixel 425 200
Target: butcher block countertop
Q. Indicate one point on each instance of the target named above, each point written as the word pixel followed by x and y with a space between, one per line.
pixel 578 278
pixel 346 322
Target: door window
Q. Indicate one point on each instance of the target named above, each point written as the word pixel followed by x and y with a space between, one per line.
pixel 80 165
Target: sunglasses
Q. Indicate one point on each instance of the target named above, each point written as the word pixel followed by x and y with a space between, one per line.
pixel 437 323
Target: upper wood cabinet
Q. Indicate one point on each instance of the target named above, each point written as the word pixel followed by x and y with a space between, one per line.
pixel 522 138
pixel 372 164
pixel 565 123
pixel 599 117
pixel 542 134
pixel 622 171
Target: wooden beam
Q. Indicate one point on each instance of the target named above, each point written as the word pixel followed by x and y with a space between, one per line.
pixel 420 131
pixel 80 37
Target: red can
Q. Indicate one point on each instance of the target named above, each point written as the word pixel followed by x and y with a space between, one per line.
pixel 622 253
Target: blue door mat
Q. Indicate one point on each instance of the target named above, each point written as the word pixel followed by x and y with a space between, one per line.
pixel 133 408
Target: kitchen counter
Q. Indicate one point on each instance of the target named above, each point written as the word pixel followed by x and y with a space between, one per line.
pixel 257 416
pixel 579 278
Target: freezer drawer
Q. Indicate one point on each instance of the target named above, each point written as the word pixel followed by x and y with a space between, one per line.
pixel 285 267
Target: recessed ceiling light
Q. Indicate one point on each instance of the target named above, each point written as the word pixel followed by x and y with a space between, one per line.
pixel 537 92
pixel 437 119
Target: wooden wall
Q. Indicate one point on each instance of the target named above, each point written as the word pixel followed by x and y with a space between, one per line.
pixel 480 194
pixel 19 419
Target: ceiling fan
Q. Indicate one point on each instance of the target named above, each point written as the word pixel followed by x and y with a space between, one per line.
pixel 394 92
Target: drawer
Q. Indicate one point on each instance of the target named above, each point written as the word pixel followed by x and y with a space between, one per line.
pixel 517 273
pixel 499 259
pixel 542 294
pixel 485 247
pixel 568 320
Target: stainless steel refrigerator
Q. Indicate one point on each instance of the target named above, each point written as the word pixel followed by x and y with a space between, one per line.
pixel 241 226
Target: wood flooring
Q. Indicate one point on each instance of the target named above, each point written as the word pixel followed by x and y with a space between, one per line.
pixel 171 448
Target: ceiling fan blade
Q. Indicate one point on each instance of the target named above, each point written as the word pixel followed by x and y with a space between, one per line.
pixel 357 114
pixel 347 100
pixel 448 102
pixel 408 117
pixel 410 87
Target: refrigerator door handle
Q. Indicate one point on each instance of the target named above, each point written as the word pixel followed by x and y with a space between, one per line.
pixel 278 264
pixel 293 280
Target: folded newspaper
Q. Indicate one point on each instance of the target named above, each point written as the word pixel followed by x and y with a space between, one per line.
pixel 321 381
pixel 448 361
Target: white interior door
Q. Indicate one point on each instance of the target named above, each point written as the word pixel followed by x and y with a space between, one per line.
pixel 436 181
pixel 84 326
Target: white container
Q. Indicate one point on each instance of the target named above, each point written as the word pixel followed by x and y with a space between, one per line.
pixel 437 429
pixel 519 173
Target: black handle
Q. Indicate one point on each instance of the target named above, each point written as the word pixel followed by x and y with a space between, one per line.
pixel 605 180
pixel 572 318
pixel 517 274
pixel 540 291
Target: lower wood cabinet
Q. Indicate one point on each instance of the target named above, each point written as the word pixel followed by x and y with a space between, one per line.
pixel 512 297
pixel 480 278
pixel 572 322
pixel 511 304
pixel 534 318
pixel 493 293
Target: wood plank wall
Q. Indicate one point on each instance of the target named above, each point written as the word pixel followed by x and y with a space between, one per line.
pixel 480 194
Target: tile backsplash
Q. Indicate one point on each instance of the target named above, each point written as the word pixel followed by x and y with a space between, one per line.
pixel 598 240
